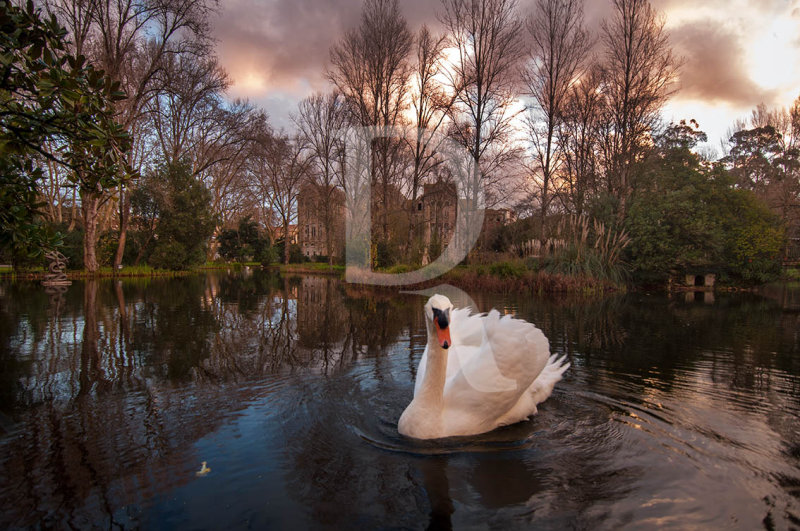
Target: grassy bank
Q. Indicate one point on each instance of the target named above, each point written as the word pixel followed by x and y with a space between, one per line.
pixel 508 277
pixel 499 277
pixel 312 268
pixel 515 276
pixel 103 272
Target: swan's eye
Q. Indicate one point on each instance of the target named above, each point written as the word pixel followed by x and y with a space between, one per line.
pixel 441 318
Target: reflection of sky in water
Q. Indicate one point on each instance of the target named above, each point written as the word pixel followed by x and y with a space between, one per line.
pixel 675 412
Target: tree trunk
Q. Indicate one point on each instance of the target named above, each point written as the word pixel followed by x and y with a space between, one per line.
pixel 286 243
pixel 124 219
pixel 328 232
pixel 73 211
pixel 89 207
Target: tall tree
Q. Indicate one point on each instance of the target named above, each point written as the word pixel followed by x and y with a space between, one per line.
pixel 639 71
pixel 765 158
pixel 279 169
pixel 185 220
pixel 430 104
pixel 130 40
pixel 321 119
pixel 560 46
pixel 487 38
pixel 53 107
pixel 370 67
pixel 578 137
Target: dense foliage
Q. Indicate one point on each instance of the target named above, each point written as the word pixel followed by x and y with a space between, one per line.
pixel 176 220
pixel 247 242
pixel 54 107
pixel 688 217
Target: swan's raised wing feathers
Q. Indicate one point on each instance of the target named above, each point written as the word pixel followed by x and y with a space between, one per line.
pixel 511 355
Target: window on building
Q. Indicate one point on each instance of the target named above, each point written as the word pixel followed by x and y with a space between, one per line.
pixel 419 206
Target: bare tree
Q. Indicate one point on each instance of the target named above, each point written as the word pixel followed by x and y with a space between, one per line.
pixel 430 103
pixel 560 46
pixel 578 137
pixel 130 40
pixel 188 100
pixel 486 36
pixel 190 119
pixel 639 71
pixel 280 167
pixel 370 67
pixel 321 119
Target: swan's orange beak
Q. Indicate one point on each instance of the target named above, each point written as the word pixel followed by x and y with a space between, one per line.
pixel 443 333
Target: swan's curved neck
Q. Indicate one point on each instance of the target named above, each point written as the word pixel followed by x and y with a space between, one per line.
pixel 432 389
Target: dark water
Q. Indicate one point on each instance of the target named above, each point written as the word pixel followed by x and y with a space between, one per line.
pixel 677 412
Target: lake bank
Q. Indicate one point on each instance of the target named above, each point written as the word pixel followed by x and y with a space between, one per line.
pixel 500 277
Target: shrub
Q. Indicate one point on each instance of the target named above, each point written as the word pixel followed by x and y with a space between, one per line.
pixel 385 254
pixel 73 248
pixel 174 255
pixel 107 247
pixel 755 239
pixel 296 255
pixel 269 255
pixel 579 248
pixel 507 269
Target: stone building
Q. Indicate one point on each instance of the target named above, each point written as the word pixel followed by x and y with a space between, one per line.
pixel 320 211
pixel 436 212
pixel 493 220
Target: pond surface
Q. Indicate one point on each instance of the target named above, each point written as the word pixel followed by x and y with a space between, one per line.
pixel 679 411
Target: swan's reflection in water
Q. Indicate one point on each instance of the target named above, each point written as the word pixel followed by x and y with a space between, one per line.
pixel 674 413
pixel 437 488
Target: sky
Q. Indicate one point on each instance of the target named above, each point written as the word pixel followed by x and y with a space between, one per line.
pixel 736 54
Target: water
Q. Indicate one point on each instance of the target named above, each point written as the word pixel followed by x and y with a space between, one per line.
pixel 678 412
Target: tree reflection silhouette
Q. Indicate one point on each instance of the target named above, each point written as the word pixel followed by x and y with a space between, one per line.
pixel 104 401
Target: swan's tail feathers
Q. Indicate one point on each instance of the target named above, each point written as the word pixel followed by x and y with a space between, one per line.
pixel 543 385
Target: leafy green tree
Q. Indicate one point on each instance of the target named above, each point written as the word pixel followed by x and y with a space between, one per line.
pixel 246 241
pixel 185 219
pixel 753 158
pixel 754 238
pixel 229 245
pixel 669 221
pixel 689 215
pixel 51 98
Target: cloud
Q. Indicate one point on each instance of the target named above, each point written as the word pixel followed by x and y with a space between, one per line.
pixel 714 68
pixel 276 51
pixel 286 42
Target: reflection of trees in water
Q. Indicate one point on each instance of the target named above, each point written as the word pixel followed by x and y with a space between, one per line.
pixel 111 391
pixel 322 317
pixel 642 335
pixel 341 478
pixel 97 429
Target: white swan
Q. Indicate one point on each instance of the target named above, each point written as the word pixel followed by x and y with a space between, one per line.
pixel 478 372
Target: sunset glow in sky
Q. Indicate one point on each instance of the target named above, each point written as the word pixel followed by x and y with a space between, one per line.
pixel 736 53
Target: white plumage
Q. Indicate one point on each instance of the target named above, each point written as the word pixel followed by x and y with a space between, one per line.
pixel 495 373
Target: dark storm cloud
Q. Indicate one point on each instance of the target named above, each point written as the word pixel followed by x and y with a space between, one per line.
pixel 284 41
pixel 713 65
pixel 276 50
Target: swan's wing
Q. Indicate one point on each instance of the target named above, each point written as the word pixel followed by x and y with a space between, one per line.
pixel 512 354
pixel 468 334
pixel 466 329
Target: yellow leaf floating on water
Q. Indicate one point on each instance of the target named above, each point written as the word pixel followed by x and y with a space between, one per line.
pixel 203 470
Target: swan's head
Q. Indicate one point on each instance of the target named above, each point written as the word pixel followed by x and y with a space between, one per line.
pixel 438 311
